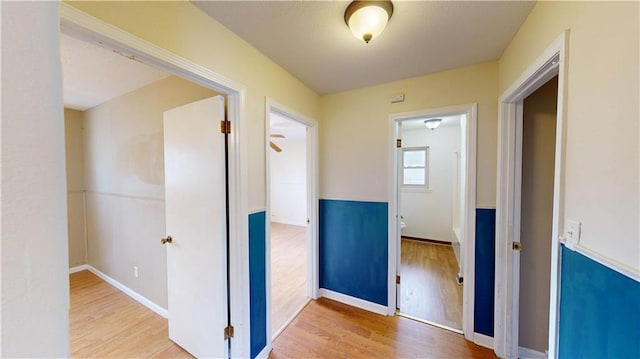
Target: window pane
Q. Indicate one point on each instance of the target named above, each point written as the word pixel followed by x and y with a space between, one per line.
pixel 414 176
pixel 414 158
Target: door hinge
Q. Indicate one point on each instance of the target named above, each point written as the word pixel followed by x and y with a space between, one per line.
pixel 228 332
pixel 225 127
pixel 397 279
pixel 516 246
pixel 399 143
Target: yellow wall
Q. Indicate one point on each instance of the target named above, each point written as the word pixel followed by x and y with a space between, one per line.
pixel 354 138
pixel 182 28
pixel 601 158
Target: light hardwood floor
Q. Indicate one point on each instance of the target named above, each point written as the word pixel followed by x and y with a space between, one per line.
pixel 106 323
pixel 328 329
pixel 288 272
pixel 429 289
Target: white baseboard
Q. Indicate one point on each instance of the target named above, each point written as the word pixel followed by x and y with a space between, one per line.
pixel 79 268
pixel 264 354
pixel 126 290
pixel 353 301
pixel 483 340
pixel 526 353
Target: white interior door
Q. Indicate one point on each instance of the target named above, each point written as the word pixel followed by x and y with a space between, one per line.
pixel 196 210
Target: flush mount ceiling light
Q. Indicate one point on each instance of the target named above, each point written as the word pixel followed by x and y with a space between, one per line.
pixel 433 123
pixel 367 19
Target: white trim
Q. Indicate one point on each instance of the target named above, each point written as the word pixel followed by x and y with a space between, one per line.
pixel 86 27
pixel 353 301
pixel 552 62
pixel 608 262
pixel 130 292
pixel 428 322
pixel 264 354
pixel 258 211
pixel 483 340
pixel 124 196
pixel 526 353
pixel 469 211
pixel 79 268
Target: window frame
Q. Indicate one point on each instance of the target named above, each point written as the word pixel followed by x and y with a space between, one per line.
pixel 416 187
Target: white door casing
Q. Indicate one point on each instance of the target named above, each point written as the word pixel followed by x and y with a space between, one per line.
pixel 195 202
pixel 550 63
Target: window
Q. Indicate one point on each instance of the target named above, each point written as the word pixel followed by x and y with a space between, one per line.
pixel 415 167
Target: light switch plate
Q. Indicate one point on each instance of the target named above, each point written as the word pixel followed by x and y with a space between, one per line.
pixel 572 232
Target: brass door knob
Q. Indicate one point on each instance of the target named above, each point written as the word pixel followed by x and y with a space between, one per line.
pixel 166 240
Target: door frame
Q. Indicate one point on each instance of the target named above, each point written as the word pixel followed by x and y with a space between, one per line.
pixel 469 211
pixel 312 202
pixel 551 62
pixel 85 27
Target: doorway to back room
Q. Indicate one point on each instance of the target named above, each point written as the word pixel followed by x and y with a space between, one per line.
pixel 429 194
pixel 289 239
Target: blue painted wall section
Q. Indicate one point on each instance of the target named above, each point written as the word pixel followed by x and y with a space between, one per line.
pixel 599 310
pixel 354 249
pixel 257 283
pixel 485 270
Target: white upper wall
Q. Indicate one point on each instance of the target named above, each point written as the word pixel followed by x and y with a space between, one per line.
pixel 428 214
pixel 288 170
pixel 602 152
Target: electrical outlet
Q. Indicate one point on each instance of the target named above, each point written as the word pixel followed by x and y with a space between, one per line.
pixel 135 271
pixel 572 232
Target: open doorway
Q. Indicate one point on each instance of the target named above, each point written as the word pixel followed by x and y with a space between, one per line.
pixel 528 211
pixel 428 188
pixel 432 219
pixel 288 218
pixel 291 212
pixel 126 196
pixel 536 213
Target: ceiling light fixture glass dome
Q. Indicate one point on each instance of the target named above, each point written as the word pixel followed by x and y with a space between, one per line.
pixel 367 19
pixel 433 123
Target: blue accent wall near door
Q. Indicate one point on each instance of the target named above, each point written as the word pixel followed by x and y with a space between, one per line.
pixel 599 310
pixel 257 283
pixel 353 246
pixel 485 271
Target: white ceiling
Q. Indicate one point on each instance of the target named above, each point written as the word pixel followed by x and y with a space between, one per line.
pixel 92 75
pixel 418 123
pixel 311 40
pixel 290 129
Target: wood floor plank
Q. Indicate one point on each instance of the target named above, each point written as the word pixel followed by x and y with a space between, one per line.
pixel 106 323
pixel 328 329
pixel 288 272
pixel 429 289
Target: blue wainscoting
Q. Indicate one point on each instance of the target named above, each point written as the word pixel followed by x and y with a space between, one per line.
pixel 257 283
pixel 599 310
pixel 354 248
pixel 485 270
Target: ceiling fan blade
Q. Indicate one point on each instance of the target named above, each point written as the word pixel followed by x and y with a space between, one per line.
pixel 277 135
pixel 275 147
